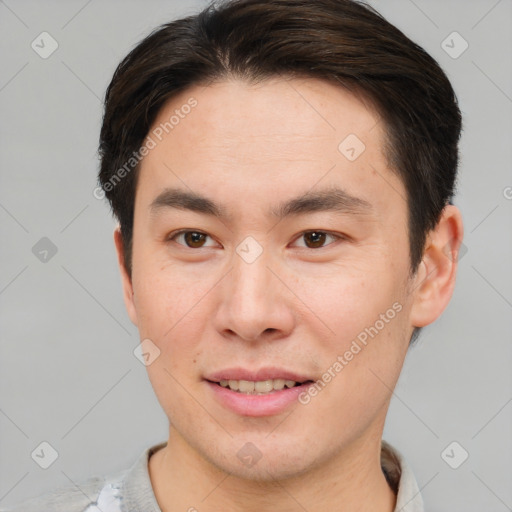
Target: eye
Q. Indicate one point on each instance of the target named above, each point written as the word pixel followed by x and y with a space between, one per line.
pixel 316 239
pixel 193 239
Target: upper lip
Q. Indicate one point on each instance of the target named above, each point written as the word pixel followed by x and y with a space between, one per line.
pixel 261 374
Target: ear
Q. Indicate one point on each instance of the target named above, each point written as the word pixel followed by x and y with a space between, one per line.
pixel 435 280
pixel 125 278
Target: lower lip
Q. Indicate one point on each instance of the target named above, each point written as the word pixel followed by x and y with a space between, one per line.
pixel 257 405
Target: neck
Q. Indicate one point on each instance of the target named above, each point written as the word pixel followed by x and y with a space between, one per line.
pixel 351 481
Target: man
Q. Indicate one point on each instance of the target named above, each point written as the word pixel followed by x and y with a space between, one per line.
pixel 282 172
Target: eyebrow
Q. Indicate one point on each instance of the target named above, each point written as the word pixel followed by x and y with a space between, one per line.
pixel 333 199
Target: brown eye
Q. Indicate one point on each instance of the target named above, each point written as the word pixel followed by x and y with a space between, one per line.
pixel 193 239
pixel 316 239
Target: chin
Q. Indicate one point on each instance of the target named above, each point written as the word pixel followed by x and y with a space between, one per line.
pixel 263 458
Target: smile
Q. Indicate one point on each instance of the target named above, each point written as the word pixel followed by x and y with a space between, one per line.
pixel 261 387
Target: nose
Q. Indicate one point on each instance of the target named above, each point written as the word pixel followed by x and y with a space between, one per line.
pixel 254 301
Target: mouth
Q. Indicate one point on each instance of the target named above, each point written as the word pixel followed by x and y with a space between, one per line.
pixel 260 387
pixel 260 392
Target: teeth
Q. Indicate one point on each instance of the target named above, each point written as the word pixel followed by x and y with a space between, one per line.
pixel 260 387
pixel 278 384
pixel 245 386
pixel 264 386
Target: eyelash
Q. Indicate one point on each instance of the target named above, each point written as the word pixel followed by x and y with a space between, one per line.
pixel 337 237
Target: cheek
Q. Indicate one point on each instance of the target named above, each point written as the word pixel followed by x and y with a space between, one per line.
pixel 359 376
pixel 363 338
pixel 167 301
pixel 348 300
pixel 173 392
pixel 171 314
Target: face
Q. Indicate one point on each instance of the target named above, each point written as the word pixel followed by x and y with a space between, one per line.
pixel 275 276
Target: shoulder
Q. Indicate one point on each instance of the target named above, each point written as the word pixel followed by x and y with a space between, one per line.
pixel 100 493
pixel 82 497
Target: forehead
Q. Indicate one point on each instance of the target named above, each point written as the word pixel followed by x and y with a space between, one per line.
pixel 279 112
pixel 277 138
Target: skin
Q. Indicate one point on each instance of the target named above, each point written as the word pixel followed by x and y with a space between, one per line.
pixel 297 306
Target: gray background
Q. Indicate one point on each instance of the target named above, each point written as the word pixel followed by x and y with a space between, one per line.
pixel 68 375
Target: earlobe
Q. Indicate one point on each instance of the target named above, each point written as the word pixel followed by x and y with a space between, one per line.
pixel 435 279
pixel 128 293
